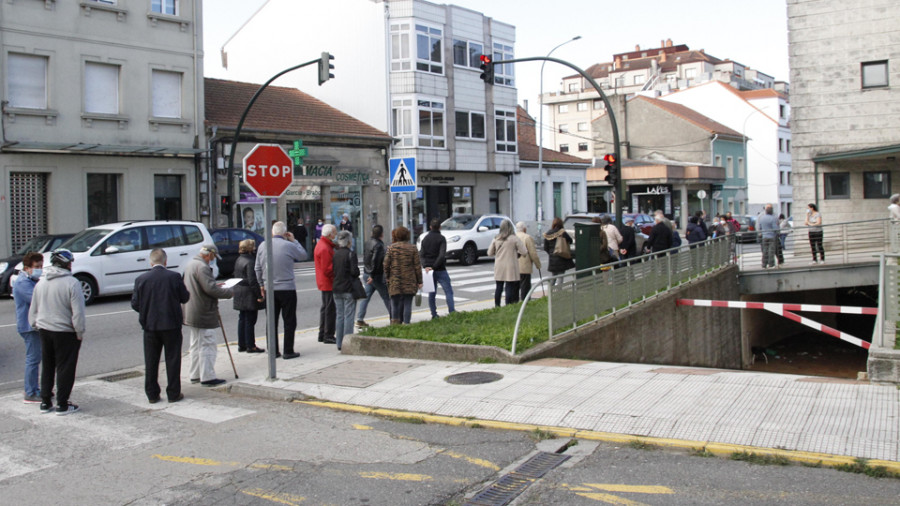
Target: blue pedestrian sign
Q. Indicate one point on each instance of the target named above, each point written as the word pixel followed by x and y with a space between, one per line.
pixel 402 175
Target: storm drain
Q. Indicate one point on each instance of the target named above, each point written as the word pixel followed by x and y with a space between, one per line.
pixel 112 378
pixel 473 378
pixel 507 488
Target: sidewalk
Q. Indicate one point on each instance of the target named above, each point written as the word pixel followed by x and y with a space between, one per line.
pixel 812 418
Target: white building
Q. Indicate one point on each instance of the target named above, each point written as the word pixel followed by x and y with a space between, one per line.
pixel 102 114
pixel 762 118
pixel 410 68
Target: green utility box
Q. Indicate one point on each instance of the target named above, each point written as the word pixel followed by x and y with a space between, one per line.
pixel 588 243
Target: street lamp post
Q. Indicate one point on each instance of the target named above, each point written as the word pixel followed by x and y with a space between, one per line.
pixel 540 213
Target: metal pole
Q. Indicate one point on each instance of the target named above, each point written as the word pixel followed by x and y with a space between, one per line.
pixel 271 338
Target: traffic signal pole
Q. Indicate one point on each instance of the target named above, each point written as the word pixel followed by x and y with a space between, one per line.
pixel 620 184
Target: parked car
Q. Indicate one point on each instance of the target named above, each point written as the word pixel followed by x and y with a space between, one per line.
pixel 108 258
pixel 39 243
pixel 469 235
pixel 748 229
pixel 227 241
pixel 639 220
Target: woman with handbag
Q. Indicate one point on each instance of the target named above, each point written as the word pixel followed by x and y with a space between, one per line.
pixel 346 272
pixel 403 274
pixel 506 248
pixel 556 243
pixel 248 298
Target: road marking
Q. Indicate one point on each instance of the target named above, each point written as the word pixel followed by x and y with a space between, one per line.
pixel 589 490
pixel 375 475
pixel 481 279
pixel 636 489
pixel 277 497
pixel 481 288
pixel 189 408
pixel 472 460
pixel 361 427
pixel 197 461
pixel 16 462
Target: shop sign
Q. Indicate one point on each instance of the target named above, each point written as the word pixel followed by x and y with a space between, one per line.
pixel 337 175
pixel 303 192
pixel 657 190
pixel 430 179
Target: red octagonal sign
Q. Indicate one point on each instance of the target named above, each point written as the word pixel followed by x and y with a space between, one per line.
pixel 268 170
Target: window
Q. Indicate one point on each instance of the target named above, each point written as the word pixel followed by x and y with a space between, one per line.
pixel 875 74
pixel 506 130
pixel 101 88
pixel 166 90
pixel 164 7
pixel 729 167
pixel 574 189
pixel 431 124
pixel 620 82
pixel 167 236
pixel 583 126
pixel 573 87
pixel 787 145
pixel 402 130
pixel 876 185
pixel 167 197
pixel 781 111
pixel 130 239
pixel 837 185
pixel 718 161
pixel 537 198
pixel 563 148
pixel 102 198
pixel 494 203
pixel 741 170
pixel 780 145
pixel 639 79
pixel 582 146
pixel 467 54
pixel 563 128
pixel 503 74
pixel 598 105
pixel 428 49
pixel 562 108
pixel 557 200
pixel 26 81
pixel 690 73
pixel 470 125
pixel 400 58
pixel 582 106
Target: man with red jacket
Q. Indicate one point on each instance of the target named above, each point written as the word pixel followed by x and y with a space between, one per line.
pixel 324 260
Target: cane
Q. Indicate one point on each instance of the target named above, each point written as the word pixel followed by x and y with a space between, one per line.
pixel 541 274
pixel 226 345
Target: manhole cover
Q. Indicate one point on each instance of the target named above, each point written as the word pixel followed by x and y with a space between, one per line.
pixel 473 378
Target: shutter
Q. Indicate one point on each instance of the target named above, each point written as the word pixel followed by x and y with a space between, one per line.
pixel 27 206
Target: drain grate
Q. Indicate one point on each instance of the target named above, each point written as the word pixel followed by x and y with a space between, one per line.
pixel 473 378
pixel 507 488
pixel 112 378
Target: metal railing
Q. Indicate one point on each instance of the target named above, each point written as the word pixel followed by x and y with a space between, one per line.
pixel 582 297
pixel 843 243
pixel 886 324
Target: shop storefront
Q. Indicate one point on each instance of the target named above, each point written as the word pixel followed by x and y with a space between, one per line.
pixel 445 194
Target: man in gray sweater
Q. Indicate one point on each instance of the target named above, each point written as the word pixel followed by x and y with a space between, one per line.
pixel 57 312
pixel 283 293
pixel 201 315
pixel 768 226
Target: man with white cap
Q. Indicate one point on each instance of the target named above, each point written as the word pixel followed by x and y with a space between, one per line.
pixel 201 315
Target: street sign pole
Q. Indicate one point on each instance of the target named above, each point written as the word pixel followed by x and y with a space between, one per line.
pixel 271 338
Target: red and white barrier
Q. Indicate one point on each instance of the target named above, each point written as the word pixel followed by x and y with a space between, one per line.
pixel 786 310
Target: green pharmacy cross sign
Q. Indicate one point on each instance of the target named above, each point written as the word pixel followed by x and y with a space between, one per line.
pixel 298 153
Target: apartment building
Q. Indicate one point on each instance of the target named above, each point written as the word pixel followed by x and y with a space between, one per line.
pixel 410 68
pixel 845 73
pixel 102 114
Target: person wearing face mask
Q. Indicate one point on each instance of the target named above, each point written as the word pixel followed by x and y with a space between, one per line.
pixel 660 238
pixel 23 289
pixel 318 234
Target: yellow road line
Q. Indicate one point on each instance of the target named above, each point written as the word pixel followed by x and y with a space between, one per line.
pixel 361 427
pixel 719 449
pixel 188 460
pixel 637 489
pixel 278 497
pixel 375 475
pixel 472 460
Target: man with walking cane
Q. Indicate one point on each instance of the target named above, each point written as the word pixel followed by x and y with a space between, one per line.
pixel 201 315
pixel 526 261
pixel 157 297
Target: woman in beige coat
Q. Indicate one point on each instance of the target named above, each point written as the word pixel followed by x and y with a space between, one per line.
pixel 506 248
pixel 528 261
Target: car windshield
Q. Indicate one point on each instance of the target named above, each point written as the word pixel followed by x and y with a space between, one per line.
pixel 461 222
pixel 84 240
pixel 32 245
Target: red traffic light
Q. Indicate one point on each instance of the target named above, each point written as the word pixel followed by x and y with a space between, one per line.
pixel 485 59
pixel 610 158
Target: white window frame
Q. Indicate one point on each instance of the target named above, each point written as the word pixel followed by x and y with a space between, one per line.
pixel 98 100
pixel 573 189
pixel 729 167
pixel 564 128
pixel 573 88
pixel 470 118
pixel 562 108
pixel 741 169
pixel 583 126
pixel 434 35
pixel 27 93
pixel 503 120
pixel 504 75
pixel 620 82
pixel 434 108
pixel 563 148
pixel 162 7
pixel 718 162
pixel 639 79
pixel 581 106
pixel 582 146
pixel 404 126
pixel 400 42
pixel 598 105
pixel 874 74
pixel 166 102
pixel 472 55
pixel 690 73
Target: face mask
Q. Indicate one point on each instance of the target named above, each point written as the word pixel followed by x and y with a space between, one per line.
pixel 36 273
pixel 320 223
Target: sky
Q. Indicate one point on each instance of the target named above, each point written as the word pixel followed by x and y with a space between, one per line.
pixel 753 33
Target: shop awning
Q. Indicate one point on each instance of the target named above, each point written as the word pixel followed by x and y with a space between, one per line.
pixel 876 152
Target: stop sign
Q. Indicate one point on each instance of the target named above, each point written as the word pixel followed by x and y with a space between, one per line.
pixel 268 170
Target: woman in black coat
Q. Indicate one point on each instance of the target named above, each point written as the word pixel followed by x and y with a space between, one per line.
pixel 247 296
pixel 557 264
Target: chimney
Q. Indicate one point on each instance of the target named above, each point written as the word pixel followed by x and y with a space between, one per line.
pixel 526 104
pixel 637 47
pixel 662 56
pixel 662 43
pixel 668 42
pixel 617 64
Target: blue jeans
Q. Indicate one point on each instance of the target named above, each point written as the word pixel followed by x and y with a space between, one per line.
pixel 32 361
pixel 344 308
pixel 401 307
pixel 442 278
pixel 376 284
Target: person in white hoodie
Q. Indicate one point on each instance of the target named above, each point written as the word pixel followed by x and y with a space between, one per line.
pixel 57 312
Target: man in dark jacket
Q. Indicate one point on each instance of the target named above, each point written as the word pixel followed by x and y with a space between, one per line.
pixel 628 246
pixel 660 235
pixel 157 297
pixel 373 277
pixel 433 257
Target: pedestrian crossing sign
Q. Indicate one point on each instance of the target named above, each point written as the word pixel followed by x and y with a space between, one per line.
pixel 402 175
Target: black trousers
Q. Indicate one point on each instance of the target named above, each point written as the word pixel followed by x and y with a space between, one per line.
pixel 524 285
pixel 512 292
pixel 154 343
pixel 327 315
pixel 286 304
pixel 247 329
pixel 59 356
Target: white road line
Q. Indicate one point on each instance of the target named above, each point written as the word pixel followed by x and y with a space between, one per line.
pixel 481 279
pixel 480 288
pixel 16 462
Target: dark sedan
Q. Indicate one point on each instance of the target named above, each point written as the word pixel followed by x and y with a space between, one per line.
pixel 39 243
pixel 227 241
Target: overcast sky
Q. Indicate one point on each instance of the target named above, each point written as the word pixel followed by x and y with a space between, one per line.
pixel 753 33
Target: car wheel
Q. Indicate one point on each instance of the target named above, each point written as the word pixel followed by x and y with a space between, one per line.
pixel 89 286
pixel 469 254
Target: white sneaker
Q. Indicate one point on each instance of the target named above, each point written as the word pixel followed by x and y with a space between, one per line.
pixel 822 262
pixel 813 262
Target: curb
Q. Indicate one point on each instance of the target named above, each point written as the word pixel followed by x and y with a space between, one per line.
pixel 718 449
pixel 264 392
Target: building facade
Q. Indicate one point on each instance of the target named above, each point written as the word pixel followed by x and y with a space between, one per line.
pixel 102 115
pixel 411 68
pixel 846 106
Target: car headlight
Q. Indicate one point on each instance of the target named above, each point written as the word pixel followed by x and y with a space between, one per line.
pixel 454 238
pixel 4 266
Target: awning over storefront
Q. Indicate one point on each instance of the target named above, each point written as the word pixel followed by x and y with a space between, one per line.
pixel 857 154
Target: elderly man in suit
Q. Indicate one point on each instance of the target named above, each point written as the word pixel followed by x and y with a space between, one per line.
pixel 157 297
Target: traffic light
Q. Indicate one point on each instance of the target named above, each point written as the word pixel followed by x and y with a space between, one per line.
pixel 487 69
pixel 226 204
pixel 612 169
pixel 325 67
